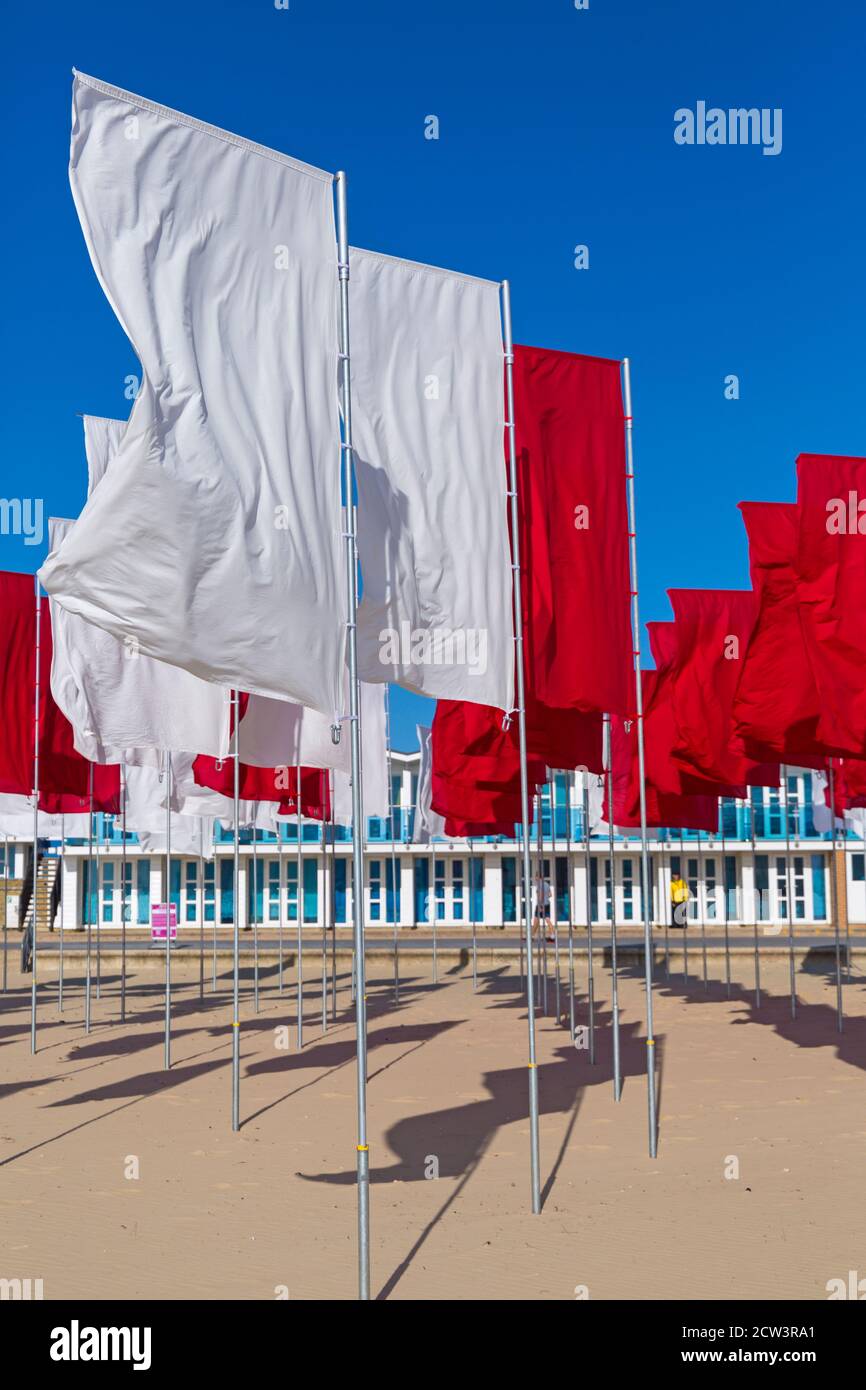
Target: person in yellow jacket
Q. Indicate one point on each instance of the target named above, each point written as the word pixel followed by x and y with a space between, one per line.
pixel 679 901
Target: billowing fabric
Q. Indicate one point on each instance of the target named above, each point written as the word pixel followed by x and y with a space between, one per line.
pixel 277 784
pixel 16 821
pixel 831 585
pixel 457 829
pixel 63 772
pixel 278 733
pixel 776 707
pixel 713 628
pixel 427 823
pixel 849 785
pixel 213 540
pixel 570 438
pixel 663 807
pixel 146 810
pixel 427 391
pixel 118 700
pixel 102 438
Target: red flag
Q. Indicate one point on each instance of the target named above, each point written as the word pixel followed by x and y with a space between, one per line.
pixel 713 628
pixel 62 771
pixel 570 440
pixel 662 808
pixel 776 706
pixel 831 571
pixel 267 784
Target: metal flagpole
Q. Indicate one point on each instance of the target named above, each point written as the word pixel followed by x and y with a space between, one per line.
pixel 5 909
pixel 644 848
pixel 35 813
pixel 755 896
pixel 554 905
pixel 236 1023
pixel 255 904
pixel 123 896
pixel 684 874
pixel 431 909
pixel 362 1148
pixel 201 910
pixel 521 725
pixel 590 977
pixel 393 846
pixel 666 905
pixel 725 898
pixel 834 899
pixel 98 922
pixel 569 781
pixel 792 974
pixel 280 914
pixel 539 833
pixel 87 900
pixel 474 926
pixel 300 908
pixel 167 1058
pixel 701 895
pixel 62 856
pixel 614 975
pixel 333 907
pixel 325 898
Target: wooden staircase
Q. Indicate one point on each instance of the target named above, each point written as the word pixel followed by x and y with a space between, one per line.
pixel 46 876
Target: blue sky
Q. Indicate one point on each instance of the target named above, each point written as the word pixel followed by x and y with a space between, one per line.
pixel 556 129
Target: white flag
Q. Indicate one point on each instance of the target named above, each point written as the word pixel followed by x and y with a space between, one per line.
pixel 119 702
pixel 102 438
pixel 374 761
pixel 16 820
pixel 427 821
pixel 427 403
pixel 213 541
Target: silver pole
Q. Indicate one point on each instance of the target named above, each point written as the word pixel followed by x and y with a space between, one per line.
pixel 280 914
pixel 684 874
pixel 568 785
pixel 62 856
pixel 200 896
pixel 362 1147
pixel 167 1057
pixel 666 907
pixel 539 833
pixel 98 922
pixel 87 899
pixel 701 909
pixel 614 974
pixel 300 908
pixel 755 896
pixel 236 1022
pixel 835 897
pixel 325 896
pixel 123 897
pixel 789 894
pixel 255 900
pixel 521 726
pixel 333 902
pixel 431 908
pixel 590 977
pixel 646 887
pixel 393 846
pixel 35 812
pixel 725 898
pixel 5 909
pixel 474 925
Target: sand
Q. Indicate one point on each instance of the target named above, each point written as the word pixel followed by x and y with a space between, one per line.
pixel 272 1210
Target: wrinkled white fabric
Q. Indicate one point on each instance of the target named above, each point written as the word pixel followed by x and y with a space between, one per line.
pixel 102 438
pixel 427 822
pixel 16 821
pixel 213 540
pixel 427 409
pixel 374 760
pixel 121 704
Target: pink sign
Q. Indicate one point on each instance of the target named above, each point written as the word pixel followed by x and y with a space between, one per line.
pixel 162 913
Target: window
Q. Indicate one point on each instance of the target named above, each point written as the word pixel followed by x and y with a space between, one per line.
pixel 731 887
pixel 692 880
pixel 190 889
pixel 563 904
pixel 476 889
pixel 819 891
pixel 628 890
pixel 762 888
pixel 782 887
pixel 858 868
pixel 457 889
pixel 375 890
pixel 710 889
pixel 108 891
pixel 799 877
pixel 274 890
pixel 143 894
pixel 392 900
pixel 509 888
pixel 439 889
pixel 292 889
pixel 255 890
pixel 209 891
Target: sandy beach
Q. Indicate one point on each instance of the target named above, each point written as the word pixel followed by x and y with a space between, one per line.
pixel 122 1180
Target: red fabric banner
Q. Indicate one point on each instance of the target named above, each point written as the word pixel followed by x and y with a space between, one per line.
pixel 831 572
pixel 63 773
pixel 570 440
pixel 662 808
pixel 268 784
pixel 776 706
